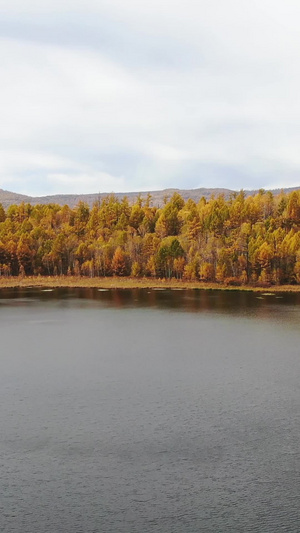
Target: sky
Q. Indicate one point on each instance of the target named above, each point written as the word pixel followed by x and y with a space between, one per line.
pixel 134 95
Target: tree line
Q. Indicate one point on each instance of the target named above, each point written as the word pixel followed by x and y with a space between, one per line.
pixel 242 240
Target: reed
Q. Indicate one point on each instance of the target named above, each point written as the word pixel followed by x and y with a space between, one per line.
pixel 131 283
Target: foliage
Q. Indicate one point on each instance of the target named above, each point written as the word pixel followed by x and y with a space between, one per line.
pixel 243 240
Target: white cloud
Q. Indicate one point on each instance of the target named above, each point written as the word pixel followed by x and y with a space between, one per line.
pixel 136 95
pixel 85 183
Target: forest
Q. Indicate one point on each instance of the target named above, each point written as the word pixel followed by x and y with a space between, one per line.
pixel 244 240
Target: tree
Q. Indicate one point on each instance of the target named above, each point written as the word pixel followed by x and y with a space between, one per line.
pixel 118 263
pixel 169 250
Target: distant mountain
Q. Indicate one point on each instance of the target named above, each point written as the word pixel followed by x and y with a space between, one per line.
pixel 8 198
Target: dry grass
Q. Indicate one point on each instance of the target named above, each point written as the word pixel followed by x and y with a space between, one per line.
pixel 130 283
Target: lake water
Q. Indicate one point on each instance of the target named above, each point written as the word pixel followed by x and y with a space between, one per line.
pixel 149 411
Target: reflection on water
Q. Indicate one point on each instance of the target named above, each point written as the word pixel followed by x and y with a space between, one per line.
pixel 263 305
pixel 129 411
pixel 181 299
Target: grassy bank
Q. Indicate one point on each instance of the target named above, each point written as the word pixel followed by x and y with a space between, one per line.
pixel 130 283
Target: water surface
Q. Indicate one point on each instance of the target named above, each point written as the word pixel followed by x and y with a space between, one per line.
pixel 149 411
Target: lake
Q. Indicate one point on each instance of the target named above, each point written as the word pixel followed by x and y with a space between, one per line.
pixel 149 411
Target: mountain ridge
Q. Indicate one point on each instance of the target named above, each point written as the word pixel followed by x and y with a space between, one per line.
pixel 8 198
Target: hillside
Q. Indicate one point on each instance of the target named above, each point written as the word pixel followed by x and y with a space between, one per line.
pixel 8 198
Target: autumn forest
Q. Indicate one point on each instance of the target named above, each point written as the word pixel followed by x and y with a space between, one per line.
pixel 251 240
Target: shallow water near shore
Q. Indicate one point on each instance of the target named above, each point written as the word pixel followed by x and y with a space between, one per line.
pixel 149 411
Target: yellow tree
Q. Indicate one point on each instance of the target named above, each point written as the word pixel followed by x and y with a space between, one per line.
pixel 118 263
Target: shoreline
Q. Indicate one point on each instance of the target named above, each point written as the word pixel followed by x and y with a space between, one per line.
pixel 131 283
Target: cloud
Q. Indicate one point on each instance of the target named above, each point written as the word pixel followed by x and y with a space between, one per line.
pixel 137 95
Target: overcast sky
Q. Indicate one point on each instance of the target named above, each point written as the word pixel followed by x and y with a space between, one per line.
pixel 124 95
